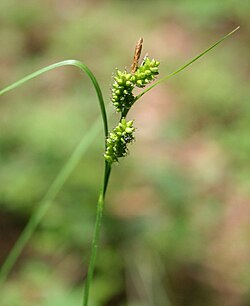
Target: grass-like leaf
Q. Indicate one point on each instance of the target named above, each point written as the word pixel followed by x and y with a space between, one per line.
pixel 187 64
pixel 66 170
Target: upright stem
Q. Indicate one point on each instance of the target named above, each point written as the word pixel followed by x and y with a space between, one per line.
pixel 96 235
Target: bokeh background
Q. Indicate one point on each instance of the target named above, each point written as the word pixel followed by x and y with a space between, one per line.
pixel 176 227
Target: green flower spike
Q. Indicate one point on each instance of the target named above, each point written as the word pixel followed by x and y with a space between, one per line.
pixel 146 73
pixel 118 139
pixel 122 96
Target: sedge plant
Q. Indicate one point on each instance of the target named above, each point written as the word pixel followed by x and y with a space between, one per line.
pixel 115 142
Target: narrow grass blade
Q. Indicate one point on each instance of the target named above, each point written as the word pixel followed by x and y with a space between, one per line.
pixel 48 198
pixel 187 64
pixel 65 171
pixel 75 63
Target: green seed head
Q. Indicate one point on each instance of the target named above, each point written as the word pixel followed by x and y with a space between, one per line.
pixel 122 96
pixel 116 144
pixel 123 99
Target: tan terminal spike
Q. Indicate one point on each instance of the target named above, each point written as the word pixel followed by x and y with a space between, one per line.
pixel 137 55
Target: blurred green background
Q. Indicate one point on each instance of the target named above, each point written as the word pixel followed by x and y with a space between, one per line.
pixel 176 227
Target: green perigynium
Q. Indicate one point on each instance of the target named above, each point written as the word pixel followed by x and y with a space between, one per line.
pixel 117 141
pixel 146 73
pixel 123 98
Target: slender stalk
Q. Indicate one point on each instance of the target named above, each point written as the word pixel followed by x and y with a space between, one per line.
pixel 96 234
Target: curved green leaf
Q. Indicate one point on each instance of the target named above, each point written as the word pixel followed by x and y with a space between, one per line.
pixel 66 169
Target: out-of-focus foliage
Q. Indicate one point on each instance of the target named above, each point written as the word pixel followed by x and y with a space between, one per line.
pixel 176 223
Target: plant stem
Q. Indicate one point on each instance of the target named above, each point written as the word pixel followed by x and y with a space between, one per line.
pixel 96 235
